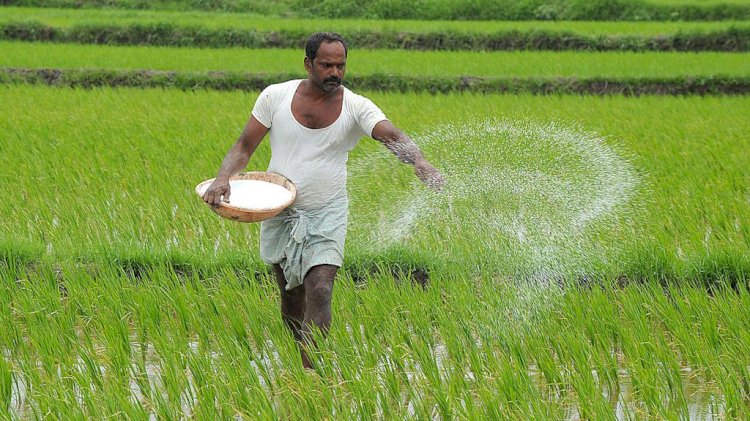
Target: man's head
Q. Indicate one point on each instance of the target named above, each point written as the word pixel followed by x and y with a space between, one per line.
pixel 325 60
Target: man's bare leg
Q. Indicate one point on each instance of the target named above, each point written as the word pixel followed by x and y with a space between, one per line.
pixel 318 288
pixel 292 307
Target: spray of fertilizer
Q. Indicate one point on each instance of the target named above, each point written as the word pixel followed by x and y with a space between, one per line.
pixel 525 202
pixel 528 200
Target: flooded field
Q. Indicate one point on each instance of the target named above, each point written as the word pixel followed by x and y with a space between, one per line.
pixel 166 346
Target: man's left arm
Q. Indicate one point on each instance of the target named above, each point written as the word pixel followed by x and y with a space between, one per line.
pixel 408 152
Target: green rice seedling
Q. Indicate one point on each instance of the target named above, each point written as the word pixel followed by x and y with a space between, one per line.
pixel 709 356
pixel 116 358
pixel 599 321
pixel 6 386
pixel 390 391
pixel 591 403
pixel 734 330
pixel 205 396
pixel 637 350
pixel 735 405
pixel 9 333
pixel 701 350
pixel 516 396
pixel 546 362
pixel 248 386
pixel 654 370
pixel 724 348
pixel 670 365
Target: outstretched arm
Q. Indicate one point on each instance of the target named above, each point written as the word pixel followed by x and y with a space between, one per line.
pixel 235 160
pixel 408 152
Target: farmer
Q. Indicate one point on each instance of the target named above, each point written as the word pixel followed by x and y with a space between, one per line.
pixel 313 124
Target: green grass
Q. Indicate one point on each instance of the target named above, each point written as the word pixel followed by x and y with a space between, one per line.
pixel 218 20
pixel 367 62
pixel 109 175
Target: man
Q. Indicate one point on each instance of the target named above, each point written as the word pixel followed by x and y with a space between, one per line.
pixel 312 123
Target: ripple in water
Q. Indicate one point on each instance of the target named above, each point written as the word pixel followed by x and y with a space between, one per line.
pixel 526 199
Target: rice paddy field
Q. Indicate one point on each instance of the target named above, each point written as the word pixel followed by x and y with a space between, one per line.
pixel 387 62
pixel 589 257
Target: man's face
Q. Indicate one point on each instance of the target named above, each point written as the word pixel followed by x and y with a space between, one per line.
pixel 326 71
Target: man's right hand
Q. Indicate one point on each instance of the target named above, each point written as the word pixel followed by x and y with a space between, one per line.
pixel 217 189
pixel 429 175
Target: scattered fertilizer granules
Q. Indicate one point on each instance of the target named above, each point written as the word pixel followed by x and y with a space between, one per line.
pixel 539 197
pixel 257 195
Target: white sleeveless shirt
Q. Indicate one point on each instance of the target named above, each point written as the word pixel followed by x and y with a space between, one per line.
pixel 313 159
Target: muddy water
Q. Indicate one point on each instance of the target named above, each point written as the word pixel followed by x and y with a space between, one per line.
pixel 703 403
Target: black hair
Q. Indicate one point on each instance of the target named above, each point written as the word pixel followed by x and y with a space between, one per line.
pixel 313 43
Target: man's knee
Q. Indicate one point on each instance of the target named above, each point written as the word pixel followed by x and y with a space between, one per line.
pixel 321 294
pixel 319 284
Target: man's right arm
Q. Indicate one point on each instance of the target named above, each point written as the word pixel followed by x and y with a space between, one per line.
pixel 235 160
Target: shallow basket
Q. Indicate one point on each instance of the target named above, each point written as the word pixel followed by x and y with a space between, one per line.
pixel 246 215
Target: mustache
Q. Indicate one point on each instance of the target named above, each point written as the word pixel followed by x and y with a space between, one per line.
pixel 332 79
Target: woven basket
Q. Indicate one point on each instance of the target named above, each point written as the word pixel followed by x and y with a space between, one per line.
pixel 233 213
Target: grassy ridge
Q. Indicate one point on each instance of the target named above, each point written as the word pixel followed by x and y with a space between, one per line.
pixel 166 34
pixel 67 18
pixel 229 81
pixel 119 206
pixel 440 9
pixel 390 62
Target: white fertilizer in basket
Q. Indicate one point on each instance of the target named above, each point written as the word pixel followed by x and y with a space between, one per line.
pixel 257 195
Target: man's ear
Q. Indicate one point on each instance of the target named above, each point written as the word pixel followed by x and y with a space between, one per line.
pixel 308 64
